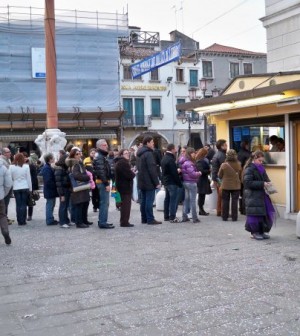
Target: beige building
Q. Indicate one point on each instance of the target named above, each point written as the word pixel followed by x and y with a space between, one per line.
pixel 253 108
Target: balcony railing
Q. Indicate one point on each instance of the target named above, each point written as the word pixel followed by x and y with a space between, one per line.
pixel 137 121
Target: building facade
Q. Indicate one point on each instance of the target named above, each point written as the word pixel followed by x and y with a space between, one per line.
pixel 87 62
pixel 282 23
pixel 253 108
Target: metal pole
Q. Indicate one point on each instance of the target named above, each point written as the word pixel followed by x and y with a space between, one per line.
pixel 52 116
pixel 190 140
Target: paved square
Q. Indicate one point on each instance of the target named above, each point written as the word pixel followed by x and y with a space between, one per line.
pixel 208 278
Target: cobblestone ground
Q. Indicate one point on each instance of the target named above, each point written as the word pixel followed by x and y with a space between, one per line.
pixel 208 278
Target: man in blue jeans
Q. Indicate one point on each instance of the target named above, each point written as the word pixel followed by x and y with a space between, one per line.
pixel 148 180
pixel 50 191
pixel 172 183
pixel 103 175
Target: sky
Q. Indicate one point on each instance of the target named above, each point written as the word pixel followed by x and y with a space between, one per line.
pixel 232 23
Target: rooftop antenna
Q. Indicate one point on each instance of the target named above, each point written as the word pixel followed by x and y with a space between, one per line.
pixel 175 13
pixel 182 19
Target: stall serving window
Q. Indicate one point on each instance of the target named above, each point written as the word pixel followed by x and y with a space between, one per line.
pixel 266 134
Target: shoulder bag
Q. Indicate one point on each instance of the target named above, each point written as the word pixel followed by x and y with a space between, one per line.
pixel 78 185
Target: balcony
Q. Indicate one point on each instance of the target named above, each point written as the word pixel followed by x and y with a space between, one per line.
pixel 137 121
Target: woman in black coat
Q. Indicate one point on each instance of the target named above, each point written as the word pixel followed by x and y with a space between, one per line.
pixel 79 199
pixel 203 184
pixel 34 181
pixel 259 208
pixel 124 183
pixel 63 186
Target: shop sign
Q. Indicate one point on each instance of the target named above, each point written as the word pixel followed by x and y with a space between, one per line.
pixel 144 87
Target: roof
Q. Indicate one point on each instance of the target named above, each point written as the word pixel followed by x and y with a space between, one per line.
pixel 233 97
pixel 219 48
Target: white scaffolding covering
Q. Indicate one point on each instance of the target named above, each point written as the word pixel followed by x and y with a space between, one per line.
pixel 87 54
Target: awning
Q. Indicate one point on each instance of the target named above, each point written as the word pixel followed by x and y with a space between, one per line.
pixel 240 99
pixel 15 136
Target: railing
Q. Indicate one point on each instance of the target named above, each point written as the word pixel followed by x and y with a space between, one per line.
pixel 137 121
pixel 144 38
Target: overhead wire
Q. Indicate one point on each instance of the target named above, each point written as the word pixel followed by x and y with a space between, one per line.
pixel 218 17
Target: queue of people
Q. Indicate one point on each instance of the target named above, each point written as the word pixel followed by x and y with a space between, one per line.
pixel 186 176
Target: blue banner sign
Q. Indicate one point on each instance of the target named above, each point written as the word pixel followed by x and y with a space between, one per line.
pixel 155 61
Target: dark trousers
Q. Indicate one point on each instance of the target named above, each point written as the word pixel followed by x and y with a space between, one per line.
pixel 21 196
pixel 30 211
pixel 226 194
pixel 146 206
pixel 3 218
pixel 95 198
pixel 219 201
pixel 80 212
pixel 125 209
pixel 7 200
pixel 201 200
pixel 171 201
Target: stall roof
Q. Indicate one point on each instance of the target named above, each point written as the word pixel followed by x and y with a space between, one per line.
pixel 287 88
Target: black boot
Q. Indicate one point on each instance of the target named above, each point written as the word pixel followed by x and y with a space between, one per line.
pixel 202 212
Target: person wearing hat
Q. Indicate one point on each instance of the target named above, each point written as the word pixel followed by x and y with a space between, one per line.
pixel 230 173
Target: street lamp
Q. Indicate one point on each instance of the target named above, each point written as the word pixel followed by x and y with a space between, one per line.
pixel 191 119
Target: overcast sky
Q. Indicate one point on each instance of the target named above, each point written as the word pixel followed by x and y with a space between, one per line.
pixel 232 22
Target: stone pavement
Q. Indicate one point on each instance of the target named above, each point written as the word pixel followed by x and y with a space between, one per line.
pixel 172 279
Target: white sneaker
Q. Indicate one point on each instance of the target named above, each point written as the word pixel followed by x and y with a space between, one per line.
pixel 65 226
pixel 175 220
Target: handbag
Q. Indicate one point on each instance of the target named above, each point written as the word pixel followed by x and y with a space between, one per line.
pixel 30 200
pixel 270 189
pixel 78 185
pixel 36 195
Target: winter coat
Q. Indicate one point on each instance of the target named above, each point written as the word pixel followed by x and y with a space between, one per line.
pixel 189 171
pixel 124 176
pixel 101 167
pixel 147 170
pixel 170 174
pixel 50 190
pixel 21 177
pixel 243 156
pixel 33 175
pixel 203 183
pixel 79 172
pixel 231 174
pixel 62 180
pixel 5 181
pixel 216 162
pixel 254 192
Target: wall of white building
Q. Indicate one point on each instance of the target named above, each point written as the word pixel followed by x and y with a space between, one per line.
pixel 282 23
pixel 167 125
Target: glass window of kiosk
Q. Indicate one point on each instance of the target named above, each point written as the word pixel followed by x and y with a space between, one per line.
pixel 266 136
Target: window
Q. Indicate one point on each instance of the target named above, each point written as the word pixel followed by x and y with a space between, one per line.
pixel 155 108
pixel 128 108
pixel 207 69
pixel 247 68
pixel 179 75
pixel 134 111
pixel 154 75
pixel 180 101
pixel 193 77
pixel 126 72
pixel 234 70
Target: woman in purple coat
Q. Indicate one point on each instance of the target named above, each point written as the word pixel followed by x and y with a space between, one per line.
pixel 190 176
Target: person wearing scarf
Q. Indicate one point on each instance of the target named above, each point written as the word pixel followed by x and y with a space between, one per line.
pixel 260 211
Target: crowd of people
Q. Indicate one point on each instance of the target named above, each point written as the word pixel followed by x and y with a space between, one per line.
pixel 186 174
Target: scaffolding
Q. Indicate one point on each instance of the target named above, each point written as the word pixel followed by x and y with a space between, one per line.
pixel 87 56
